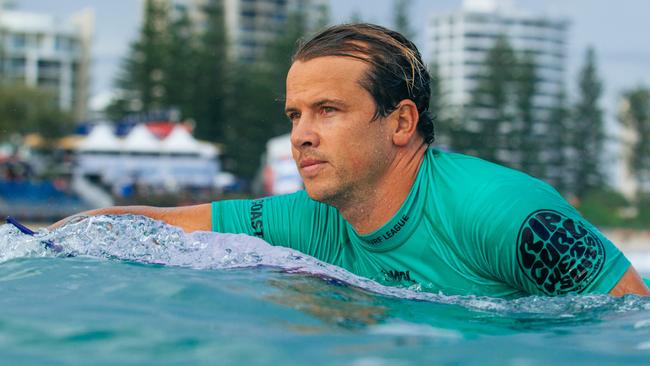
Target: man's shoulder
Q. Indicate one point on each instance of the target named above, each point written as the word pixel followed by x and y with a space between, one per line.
pixel 462 172
pixel 468 181
pixel 467 164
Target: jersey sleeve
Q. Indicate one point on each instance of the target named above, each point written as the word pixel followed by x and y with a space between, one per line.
pixel 292 220
pixel 532 239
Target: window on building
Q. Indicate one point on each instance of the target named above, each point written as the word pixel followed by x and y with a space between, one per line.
pixel 16 67
pixel 50 70
pixel 40 40
pixel 477 18
pixel 180 8
pixel 61 43
pixel 17 62
pixel 248 13
pixel 19 41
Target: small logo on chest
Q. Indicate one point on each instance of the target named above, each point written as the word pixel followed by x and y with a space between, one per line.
pixel 394 275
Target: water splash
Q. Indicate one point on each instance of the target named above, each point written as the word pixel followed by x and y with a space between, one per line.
pixel 14 244
pixel 143 240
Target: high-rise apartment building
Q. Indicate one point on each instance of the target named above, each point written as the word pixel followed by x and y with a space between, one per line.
pixel 252 24
pixel 459 42
pixel 49 53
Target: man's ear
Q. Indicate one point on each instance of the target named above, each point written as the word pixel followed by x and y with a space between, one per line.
pixel 407 117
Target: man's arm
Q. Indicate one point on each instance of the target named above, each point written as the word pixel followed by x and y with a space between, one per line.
pixel 188 218
pixel 630 283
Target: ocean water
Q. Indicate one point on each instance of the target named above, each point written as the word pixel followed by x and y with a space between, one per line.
pixel 130 290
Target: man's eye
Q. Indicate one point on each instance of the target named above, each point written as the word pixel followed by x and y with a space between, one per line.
pixel 327 110
pixel 293 116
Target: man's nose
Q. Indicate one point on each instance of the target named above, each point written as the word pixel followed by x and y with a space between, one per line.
pixel 303 133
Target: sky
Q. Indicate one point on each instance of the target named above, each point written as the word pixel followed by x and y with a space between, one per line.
pixel 618 31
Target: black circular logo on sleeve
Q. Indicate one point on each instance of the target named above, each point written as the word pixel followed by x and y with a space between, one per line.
pixel 559 254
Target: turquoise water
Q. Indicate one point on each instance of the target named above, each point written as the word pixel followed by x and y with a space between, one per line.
pixel 135 291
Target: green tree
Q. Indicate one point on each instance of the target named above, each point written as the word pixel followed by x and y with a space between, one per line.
pixel 525 141
pixel 252 111
pixel 489 119
pixel 248 129
pixel 3 41
pixel 210 83
pixel 643 218
pixel 25 109
pixel 587 130
pixel 436 103
pixel 324 17
pixel 439 110
pixel 356 17
pixel 602 206
pixel 278 55
pixel 180 67
pixel 559 171
pixel 141 78
pixel 401 18
pixel 635 115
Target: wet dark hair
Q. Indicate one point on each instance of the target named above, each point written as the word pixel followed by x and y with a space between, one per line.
pixel 396 69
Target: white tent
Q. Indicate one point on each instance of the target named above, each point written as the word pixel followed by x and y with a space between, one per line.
pixel 101 138
pixel 180 141
pixel 141 140
pixel 179 160
pixel 208 150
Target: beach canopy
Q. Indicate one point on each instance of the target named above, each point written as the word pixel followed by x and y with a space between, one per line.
pixel 101 138
pixel 141 140
pixel 180 141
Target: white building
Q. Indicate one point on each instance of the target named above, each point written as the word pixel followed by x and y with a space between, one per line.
pixel 140 157
pixel 252 24
pixel 459 41
pixel 50 53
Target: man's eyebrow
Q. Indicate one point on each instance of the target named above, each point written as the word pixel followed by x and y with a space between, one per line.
pixel 337 102
pixel 288 110
pixel 319 103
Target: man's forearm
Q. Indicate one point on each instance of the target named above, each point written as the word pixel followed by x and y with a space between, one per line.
pixel 188 218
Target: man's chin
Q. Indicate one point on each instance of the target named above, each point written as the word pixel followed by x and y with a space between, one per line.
pixel 313 193
pixel 317 193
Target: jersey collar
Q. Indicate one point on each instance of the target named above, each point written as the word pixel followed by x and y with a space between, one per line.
pixel 401 226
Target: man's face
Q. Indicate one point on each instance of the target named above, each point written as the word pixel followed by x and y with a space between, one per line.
pixel 341 152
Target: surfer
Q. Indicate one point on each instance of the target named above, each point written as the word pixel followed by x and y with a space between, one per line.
pixel 380 202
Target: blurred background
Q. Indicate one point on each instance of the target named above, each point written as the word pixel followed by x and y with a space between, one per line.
pixel 173 102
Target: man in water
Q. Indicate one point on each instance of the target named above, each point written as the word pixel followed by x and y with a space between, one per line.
pixel 381 203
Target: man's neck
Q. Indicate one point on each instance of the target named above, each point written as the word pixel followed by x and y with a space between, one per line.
pixel 371 209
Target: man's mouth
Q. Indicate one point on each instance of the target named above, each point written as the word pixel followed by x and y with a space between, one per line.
pixel 310 166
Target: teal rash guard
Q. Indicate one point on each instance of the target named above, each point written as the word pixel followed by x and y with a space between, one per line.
pixel 467 227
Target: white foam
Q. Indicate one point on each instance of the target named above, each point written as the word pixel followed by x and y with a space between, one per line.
pixel 140 239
